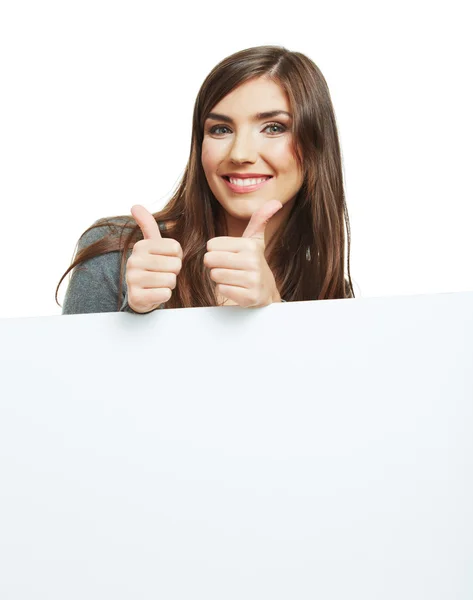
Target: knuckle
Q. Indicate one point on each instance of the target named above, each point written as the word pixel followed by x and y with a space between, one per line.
pixel 254 278
pixel 162 248
pixel 131 262
pixel 254 263
pixel 175 265
pixel 134 299
pixel 156 295
pixel 172 280
pixel 140 247
pixel 163 296
pixel 131 277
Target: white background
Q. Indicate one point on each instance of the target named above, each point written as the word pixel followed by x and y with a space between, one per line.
pixel 96 107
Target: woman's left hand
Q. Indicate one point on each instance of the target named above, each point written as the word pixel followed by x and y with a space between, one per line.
pixel 238 265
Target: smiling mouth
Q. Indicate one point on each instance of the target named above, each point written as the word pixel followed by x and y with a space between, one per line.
pixel 241 188
pixel 244 185
pixel 258 179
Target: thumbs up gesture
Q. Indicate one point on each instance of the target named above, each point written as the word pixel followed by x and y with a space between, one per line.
pixel 153 266
pixel 238 265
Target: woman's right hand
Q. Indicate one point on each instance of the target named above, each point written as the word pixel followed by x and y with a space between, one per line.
pixel 153 266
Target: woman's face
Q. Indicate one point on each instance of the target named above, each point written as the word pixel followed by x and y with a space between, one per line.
pixel 237 140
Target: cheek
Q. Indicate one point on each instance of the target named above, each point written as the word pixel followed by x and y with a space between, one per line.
pixel 284 157
pixel 209 157
pixel 204 157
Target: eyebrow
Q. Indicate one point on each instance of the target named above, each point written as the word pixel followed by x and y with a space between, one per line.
pixel 258 117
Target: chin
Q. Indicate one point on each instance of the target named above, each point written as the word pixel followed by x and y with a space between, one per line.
pixel 244 207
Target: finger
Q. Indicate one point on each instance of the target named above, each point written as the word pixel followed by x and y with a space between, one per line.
pixel 161 247
pixel 229 260
pixel 147 222
pixel 237 294
pixel 158 263
pixel 147 298
pixel 147 280
pixel 259 220
pixel 229 244
pixel 243 279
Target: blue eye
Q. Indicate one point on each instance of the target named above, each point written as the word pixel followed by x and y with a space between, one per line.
pixel 281 127
pixel 215 127
pixel 213 130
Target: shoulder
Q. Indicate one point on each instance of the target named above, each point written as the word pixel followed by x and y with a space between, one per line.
pixel 108 226
pixel 94 283
pixel 98 249
pixel 111 227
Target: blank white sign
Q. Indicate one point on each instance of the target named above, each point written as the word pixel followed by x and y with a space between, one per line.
pixel 307 450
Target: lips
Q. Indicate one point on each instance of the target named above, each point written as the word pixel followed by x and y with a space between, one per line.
pixel 245 189
pixel 227 177
pixel 247 175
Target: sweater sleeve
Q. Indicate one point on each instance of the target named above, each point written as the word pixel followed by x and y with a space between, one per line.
pixel 93 287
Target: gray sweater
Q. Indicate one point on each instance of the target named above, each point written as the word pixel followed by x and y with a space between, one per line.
pixel 93 287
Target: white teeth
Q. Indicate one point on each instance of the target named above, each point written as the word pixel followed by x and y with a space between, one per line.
pixel 246 182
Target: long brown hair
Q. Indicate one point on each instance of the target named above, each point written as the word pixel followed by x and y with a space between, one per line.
pixel 308 256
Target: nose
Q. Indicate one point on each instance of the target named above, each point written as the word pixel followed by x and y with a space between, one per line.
pixel 243 149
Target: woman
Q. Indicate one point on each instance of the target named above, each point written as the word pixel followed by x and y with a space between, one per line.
pixel 260 211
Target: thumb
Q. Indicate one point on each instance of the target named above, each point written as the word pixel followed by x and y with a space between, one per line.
pixel 259 220
pixel 147 222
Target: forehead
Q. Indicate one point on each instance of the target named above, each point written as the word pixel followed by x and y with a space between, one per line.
pixel 256 95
